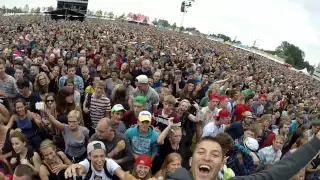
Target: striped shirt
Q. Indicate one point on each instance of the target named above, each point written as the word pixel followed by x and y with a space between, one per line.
pixel 98 109
pixel 9 86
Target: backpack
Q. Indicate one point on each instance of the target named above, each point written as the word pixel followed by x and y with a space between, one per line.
pixel 89 173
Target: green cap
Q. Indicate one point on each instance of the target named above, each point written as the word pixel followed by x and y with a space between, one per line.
pixel 118 107
pixel 140 99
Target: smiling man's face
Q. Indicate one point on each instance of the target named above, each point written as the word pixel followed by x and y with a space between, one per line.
pixel 207 160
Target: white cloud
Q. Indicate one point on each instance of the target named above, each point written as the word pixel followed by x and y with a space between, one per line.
pixel 271 22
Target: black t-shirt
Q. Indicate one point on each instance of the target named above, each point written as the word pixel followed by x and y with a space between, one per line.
pixel 31 100
pixel 166 149
pixel 174 90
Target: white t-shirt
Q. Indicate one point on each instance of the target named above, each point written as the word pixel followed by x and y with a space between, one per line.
pixel 211 129
pixel 111 167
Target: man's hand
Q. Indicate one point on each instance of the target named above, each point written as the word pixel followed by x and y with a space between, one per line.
pixel 157 130
pixel 13 160
pixel 170 122
pixel 2 94
pixel 86 110
pixel 121 145
pixel 256 160
pixel 74 170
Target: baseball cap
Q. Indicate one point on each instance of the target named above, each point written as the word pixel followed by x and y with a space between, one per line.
pixel 223 113
pixel 214 96
pixel 223 97
pixel 118 107
pixel 262 96
pixel 142 79
pixel 144 159
pixel 140 99
pixel 94 145
pixel 145 116
pixel 251 143
pixel 247 114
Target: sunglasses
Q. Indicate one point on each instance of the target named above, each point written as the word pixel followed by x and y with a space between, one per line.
pixel 50 100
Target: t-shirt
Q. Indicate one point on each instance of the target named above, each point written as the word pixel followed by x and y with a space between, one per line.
pixel 161 120
pixel 111 167
pixel 211 129
pixel 75 148
pixel 236 130
pixel 31 100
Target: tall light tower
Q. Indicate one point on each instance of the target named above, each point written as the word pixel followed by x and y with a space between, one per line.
pixel 184 6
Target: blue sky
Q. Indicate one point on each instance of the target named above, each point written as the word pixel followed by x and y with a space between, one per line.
pixel 269 22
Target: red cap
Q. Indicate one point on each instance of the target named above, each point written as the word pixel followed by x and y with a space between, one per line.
pixel 223 97
pixel 262 96
pixel 144 159
pixel 214 96
pixel 224 113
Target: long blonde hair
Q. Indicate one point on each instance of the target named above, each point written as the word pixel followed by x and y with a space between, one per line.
pixel 164 168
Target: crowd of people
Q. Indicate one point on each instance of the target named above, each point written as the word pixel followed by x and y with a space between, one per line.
pixel 112 100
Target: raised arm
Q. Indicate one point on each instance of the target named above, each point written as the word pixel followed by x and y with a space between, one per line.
pixel 165 132
pixel 55 122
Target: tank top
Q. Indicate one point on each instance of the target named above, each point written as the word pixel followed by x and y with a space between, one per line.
pixel 28 157
pixel 26 126
pixel 52 175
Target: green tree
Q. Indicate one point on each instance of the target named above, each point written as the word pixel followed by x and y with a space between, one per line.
pixel 20 10
pixel 164 23
pixel 309 67
pixel 174 26
pixel 50 8
pixel 121 16
pixel 32 10
pixel 37 10
pixel 110 15
pixel 26 8
pixel 105 13
pixel 15 9
pixel 292 54
pixel 224 37
pixel 155 22
pixel 99 13
pixel 181 28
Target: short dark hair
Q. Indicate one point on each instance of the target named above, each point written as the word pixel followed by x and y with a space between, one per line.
pixel 70 66
pixel 23 83
pixel 24 170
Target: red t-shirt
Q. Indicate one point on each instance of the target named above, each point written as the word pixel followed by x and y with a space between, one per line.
pixel 239 110
pixel 162 122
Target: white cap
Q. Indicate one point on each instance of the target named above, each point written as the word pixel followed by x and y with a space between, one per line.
pixel 145 116
pixel 142 79
pixel 94 145
pixel 251 143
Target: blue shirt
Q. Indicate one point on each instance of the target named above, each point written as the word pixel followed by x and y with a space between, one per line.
pixel 236 130
pixel 78 83
pixel 143 144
